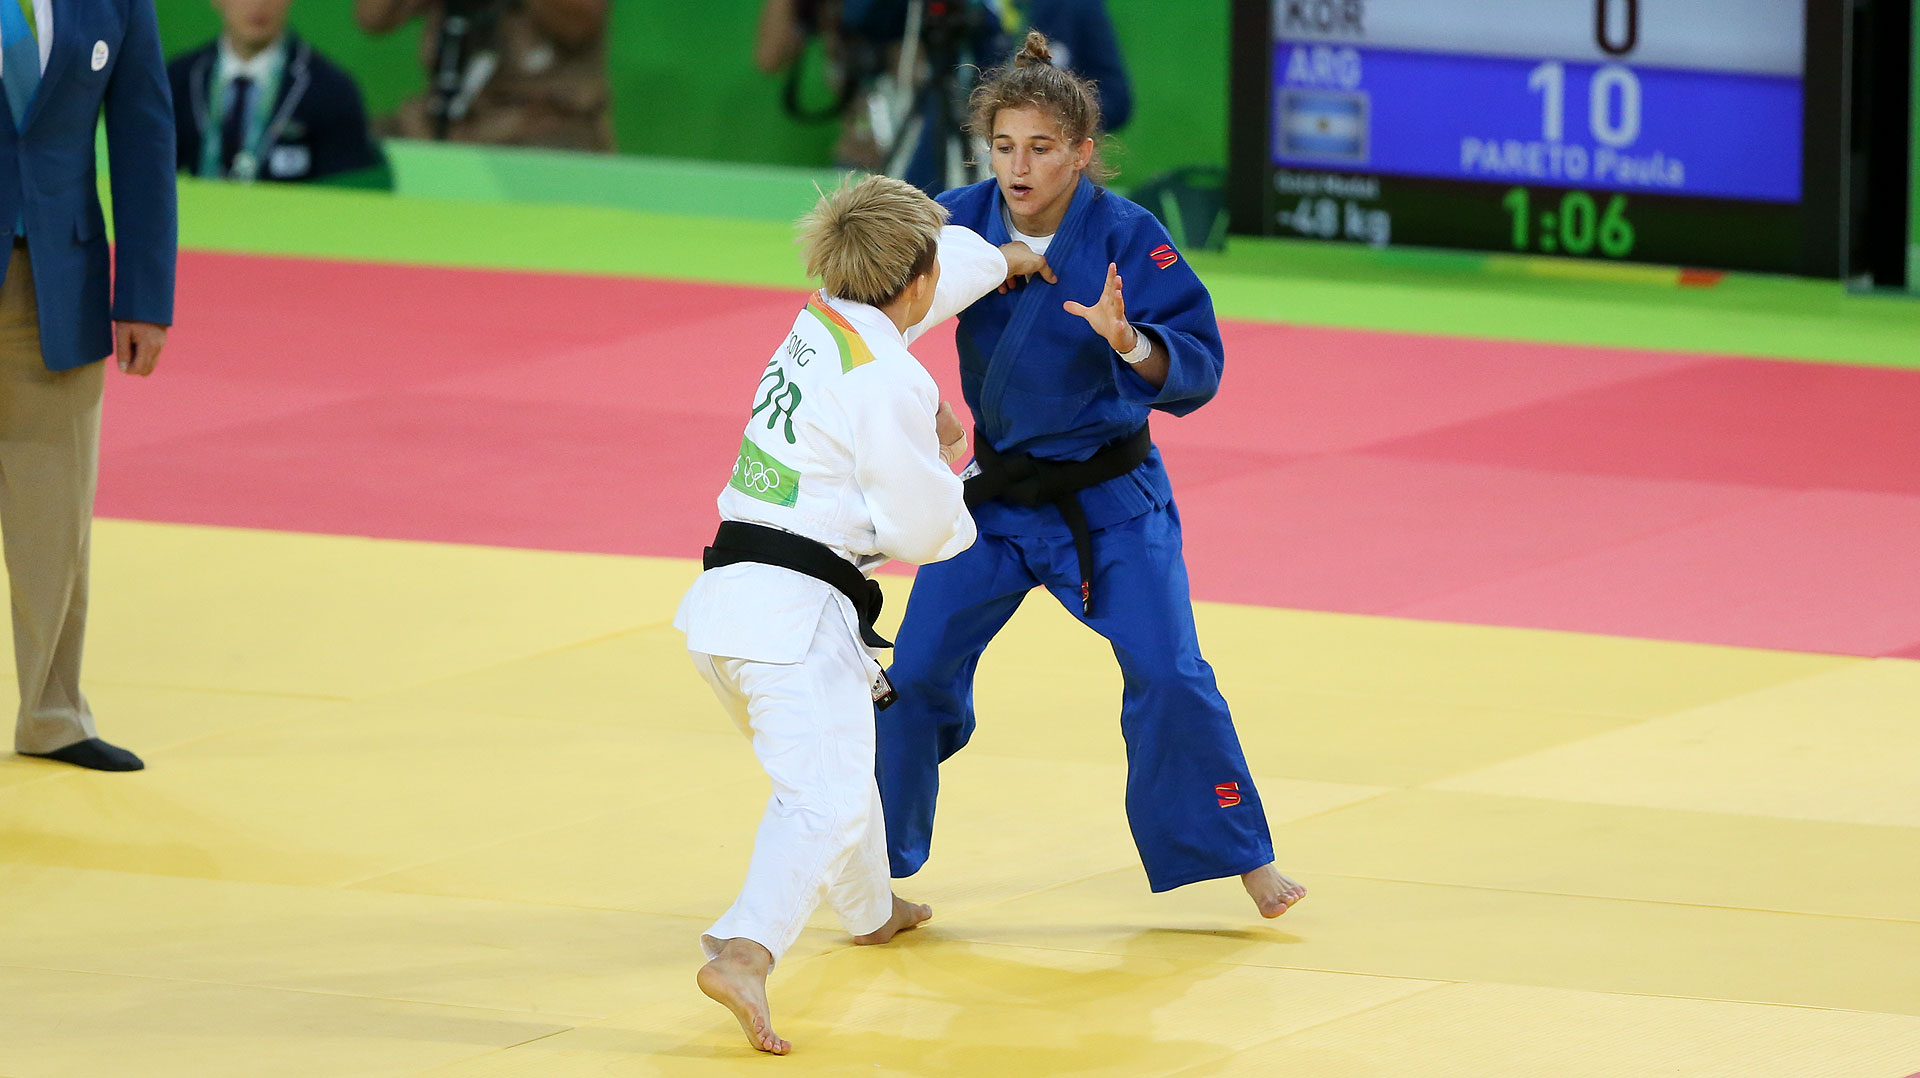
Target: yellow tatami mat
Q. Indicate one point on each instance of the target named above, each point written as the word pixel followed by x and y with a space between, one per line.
pixel 414 808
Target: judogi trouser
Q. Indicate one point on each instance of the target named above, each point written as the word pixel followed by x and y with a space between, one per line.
pixel 811 723
pixel 1191 801
pixel 49 463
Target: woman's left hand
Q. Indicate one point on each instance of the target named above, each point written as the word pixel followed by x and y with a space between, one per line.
pixel 1108 317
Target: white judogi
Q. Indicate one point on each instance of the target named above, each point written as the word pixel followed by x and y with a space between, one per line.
pixel 840 448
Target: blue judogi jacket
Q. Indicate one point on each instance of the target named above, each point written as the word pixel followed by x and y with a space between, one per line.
pixel 1040 380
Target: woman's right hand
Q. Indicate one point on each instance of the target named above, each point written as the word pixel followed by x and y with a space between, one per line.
pixel 1022 263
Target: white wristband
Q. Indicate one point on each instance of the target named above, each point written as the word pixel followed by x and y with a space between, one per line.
pixel 1142 348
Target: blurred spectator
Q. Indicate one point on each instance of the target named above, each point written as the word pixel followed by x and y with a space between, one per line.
pixel 506 72
pixel 1081 35
pixel 261 104
pixel 784 29
pixel 911 132
pixel 906 128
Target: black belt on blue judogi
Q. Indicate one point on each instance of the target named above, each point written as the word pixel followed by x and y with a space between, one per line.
pixel 1035 481
pixel 738 541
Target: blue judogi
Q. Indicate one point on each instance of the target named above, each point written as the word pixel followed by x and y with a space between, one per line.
pixel 1041 382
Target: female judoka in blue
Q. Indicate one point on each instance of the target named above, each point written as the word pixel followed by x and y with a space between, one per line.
pixel 1071 496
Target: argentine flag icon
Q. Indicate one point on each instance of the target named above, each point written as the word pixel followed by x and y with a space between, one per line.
pixel 1322 125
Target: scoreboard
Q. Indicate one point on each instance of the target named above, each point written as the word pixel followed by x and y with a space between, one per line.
pixel 1913 151
pixel 1693 132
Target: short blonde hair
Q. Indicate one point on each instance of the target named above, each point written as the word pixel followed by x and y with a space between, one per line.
pixel 867 241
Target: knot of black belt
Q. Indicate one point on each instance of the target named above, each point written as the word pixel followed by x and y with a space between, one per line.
pixel 1023 479
pixel 738 541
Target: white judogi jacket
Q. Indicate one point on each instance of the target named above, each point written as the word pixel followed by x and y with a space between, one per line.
pixel 840 448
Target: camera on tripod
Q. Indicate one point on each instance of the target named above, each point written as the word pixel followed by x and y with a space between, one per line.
pixel 910 65
pixel 928 146
pixel 464 59
pixel 947 26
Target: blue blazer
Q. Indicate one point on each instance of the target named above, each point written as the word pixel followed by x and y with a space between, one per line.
pixel 47 174
pixel 318 126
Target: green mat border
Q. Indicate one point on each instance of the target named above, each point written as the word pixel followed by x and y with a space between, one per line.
pixel 1412 290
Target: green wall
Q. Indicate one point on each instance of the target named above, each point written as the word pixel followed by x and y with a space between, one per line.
pixel 684 83
pixel 1177 56
pixel 388 68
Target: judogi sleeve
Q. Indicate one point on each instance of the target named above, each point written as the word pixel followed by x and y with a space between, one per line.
pixel 1165 298
pixel 919 511
pixel 970 267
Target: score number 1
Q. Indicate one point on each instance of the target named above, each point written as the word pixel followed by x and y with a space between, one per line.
pixel 1574 227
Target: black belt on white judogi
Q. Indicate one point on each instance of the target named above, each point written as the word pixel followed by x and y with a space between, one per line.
pixel 738 541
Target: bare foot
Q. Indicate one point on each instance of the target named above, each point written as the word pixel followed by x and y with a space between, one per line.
pixel 1271 891
pixel 905 915
pixel 737 980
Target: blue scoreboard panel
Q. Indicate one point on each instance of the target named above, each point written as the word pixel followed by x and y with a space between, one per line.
pixel 1693 132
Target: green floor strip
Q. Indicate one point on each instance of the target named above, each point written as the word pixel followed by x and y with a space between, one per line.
pixel 1266 280
pixel 686 188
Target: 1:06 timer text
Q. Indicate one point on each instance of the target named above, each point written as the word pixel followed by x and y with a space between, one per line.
pixel 1577 226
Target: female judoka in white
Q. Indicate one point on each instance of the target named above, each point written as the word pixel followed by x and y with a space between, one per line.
pixel 848 445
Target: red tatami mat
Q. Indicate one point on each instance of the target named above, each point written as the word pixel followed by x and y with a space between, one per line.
pixel 1789 425
pixel 1831 571
pixel 1307 389
pixel 1628 492
pixel 1368 534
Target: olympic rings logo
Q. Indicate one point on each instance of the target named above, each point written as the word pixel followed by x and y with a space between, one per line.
pixel 756 475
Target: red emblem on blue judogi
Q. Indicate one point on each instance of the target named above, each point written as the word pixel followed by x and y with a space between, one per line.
pixel 1228 793
pixel 1164 255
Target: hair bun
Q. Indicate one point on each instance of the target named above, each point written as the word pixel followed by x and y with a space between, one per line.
pixel 1036 50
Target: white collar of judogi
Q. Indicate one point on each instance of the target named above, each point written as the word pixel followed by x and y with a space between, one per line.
pixel 871 321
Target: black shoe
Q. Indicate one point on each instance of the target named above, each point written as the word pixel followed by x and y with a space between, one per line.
pixel 95 754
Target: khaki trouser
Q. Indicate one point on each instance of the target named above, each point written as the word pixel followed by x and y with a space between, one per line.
pixel 49 460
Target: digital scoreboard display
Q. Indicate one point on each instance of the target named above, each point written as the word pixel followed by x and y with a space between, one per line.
pixel 1673 131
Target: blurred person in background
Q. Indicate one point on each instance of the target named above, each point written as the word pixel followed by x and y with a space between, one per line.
pixel 914 130
pixel 505 72
pixel 259 103
pixel 1081 35
pixel 66 302
pixel 784 29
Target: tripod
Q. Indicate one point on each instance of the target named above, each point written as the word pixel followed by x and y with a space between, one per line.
pixel 463 60
pixel 921 124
